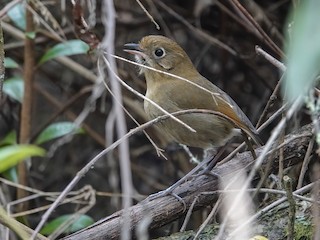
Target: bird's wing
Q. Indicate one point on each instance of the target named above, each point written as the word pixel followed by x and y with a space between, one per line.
pixel 218 101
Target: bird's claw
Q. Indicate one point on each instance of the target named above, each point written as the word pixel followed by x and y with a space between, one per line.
pixel 168 192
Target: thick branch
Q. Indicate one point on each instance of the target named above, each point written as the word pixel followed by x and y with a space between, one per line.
pixel 166 209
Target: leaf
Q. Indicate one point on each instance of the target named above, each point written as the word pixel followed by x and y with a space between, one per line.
pixel 18 15
pixel 303 49
pixel 10 63
pixel 9 139
pixel 13 154
pixel 11 174
pixel 82 222
pixel 31 35
pixel 71 47
pixel 56 130
pixel 13 87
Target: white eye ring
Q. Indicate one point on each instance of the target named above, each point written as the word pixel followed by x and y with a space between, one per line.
pixel 159 52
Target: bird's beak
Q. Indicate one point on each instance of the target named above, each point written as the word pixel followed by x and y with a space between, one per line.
pixel 134 48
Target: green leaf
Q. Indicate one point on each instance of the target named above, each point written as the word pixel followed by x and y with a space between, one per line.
pixel 10 63
pixel 56 130
pixel 13 154
pixel 13 87
pixel 9 139
pixel 11 174
pixel 18 15
pixel 71 47
pixel 82 222
pixel 303 49
pixel 31 35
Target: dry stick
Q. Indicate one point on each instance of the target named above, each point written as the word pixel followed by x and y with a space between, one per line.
pixel 265 190
pixel 148 14
pixel 208 219
pixel 273 96
pixel 50 196
pixel 188 215
pixel 269 24
pixel 2 68
pixel 160 17
pixel 268 40
pixel 91 163
pixel 287 182
pixel 305 163
pixel 200 33
pixel 232 15
pixel 271 206
pixel 270 58
pixel 281 154
pixel 26 108
pixel 260 159
pixel 124 156
pixel 316 209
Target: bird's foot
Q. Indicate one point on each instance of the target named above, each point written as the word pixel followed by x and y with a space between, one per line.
pixel 169 192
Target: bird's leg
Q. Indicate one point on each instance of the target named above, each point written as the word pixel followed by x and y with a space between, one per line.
pixel 249 144
pixel 212 159
pixel 169 190
pixel 193 159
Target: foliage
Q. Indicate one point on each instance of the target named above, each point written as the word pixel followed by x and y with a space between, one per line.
pixel 82 222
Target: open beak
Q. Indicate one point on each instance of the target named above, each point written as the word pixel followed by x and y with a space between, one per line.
pixel 134 48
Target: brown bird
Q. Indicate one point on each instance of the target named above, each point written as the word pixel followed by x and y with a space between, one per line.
pixel 174 94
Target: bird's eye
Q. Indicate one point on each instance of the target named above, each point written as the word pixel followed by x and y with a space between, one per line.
pixel 159 52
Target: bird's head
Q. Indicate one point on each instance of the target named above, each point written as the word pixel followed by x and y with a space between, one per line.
pixel 160 53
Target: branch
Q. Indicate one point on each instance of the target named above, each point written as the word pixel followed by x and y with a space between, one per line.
pixel 166 209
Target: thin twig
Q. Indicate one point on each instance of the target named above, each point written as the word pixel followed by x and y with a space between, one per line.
pixel 287 182
pixel 271 59
pixel 2 68
pixel 26 108
pixel 248 16
pixel 148 14
pixel 199 33
pixel 208 219
pixel 108 20
pixel 305 163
